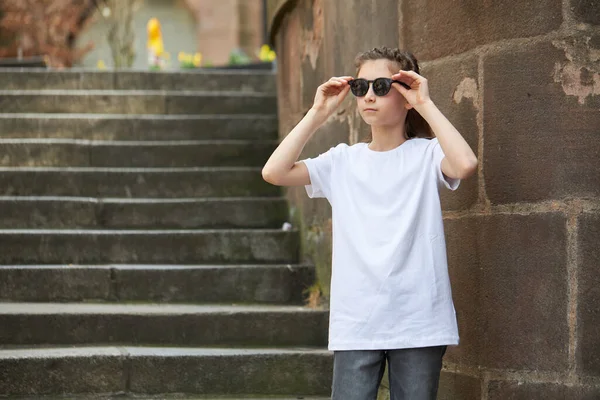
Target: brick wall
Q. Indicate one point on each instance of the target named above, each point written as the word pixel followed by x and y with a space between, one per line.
pixel 521 82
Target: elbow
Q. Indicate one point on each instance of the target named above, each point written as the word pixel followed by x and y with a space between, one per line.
pixel 269 176
pixel 468 168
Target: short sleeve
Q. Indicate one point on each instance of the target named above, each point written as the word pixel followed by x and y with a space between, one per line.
pixel 319 170
pixel 438 156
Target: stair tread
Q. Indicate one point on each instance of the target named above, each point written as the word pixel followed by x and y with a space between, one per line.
pixel 156 266
pixel 130 170
pixel 129 92
pixel 136 143
pixel 142 200
pixel 135 116
pixel 12 308
pixel 145 351
pixel 140 231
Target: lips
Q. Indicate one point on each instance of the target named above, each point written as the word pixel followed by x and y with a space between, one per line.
pixel 370 109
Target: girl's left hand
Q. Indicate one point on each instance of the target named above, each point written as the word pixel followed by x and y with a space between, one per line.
pixel 419 91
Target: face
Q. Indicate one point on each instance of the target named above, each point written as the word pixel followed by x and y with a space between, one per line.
pixel 390 109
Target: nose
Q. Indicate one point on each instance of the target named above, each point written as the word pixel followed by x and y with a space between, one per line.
pixel 370 96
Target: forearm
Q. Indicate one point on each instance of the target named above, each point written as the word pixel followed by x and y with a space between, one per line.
pixel 286 154
pixel 457 151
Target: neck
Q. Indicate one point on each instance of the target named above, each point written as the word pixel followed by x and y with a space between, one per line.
pixel 386 138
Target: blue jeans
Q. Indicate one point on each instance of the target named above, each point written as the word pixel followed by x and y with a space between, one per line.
pixel 414 373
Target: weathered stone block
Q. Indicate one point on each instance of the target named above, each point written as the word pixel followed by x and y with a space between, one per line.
pixel 588 303
pixel 433 30
pixel 136 183
pixel 273 372
pixel 540 123
pixel 510 390
pixel 456 386
pixel 510 280
pixel 151 247
pixel 36 372
pixel 454 88
pixel 587 11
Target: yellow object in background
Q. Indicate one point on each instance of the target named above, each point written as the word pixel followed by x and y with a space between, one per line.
pixel 266 54
pixel 155 40
pixel 100 64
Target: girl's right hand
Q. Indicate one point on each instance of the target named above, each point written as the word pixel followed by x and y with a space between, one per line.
pixel 330 95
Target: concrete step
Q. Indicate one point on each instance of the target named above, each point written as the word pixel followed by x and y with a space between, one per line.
pixel 136 102
pixel 148 370
pixel 22 246
pixel 72 79
pixel 274 284
pixel 139 126
pixel 162 396
pixel 135 182
pixel 161 324
pixel 133 154
pixel 109 213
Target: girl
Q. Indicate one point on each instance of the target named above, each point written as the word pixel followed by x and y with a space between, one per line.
pixel 391 299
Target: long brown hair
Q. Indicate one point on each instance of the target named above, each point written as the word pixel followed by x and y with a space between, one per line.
pixel 415 124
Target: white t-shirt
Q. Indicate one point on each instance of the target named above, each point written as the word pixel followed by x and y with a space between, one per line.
pixel 389 287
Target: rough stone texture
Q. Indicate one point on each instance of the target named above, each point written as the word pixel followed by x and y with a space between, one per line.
pixel 278 374
pixel 61 371
pixel 139 371
pixel 245 284
pixel 147 183
pixel 142 127
pixel 59 283
pixel 587 11
pixel 274 284
pixel 67 213
pixel 45 153
pixel 239 81
pixel 508 390
pixel 456 386
pixel 123 102
pixel 152 247
pixel 454 89
pixel 510 284
pixel 437 29
pixel 175 325
pixel 541 117
pixel 588 327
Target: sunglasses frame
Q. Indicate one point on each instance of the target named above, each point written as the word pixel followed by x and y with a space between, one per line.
pixel 369 82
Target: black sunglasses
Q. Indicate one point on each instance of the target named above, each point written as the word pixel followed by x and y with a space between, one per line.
pixel 381 86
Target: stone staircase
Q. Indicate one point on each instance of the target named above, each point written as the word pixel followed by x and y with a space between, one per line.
pixel 142 255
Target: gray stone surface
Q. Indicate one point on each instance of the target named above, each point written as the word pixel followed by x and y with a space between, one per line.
pixel 274 284
pixel 85 153
pixel 139 127
pixel 140 217
pixel 135 102
pixel 144 370
pixel 161 324
pixel 242 81
pixel 132 182
pixel 81 212
pixel 246 284
pixel 150 246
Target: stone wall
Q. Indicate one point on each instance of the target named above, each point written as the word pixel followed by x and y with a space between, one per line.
pixel 521 82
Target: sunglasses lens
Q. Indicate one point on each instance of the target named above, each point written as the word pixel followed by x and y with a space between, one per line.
pixel 382 86
pixel 359 87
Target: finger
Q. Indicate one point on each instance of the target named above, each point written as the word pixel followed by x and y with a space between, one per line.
pixel 402 76
pixel 403 91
